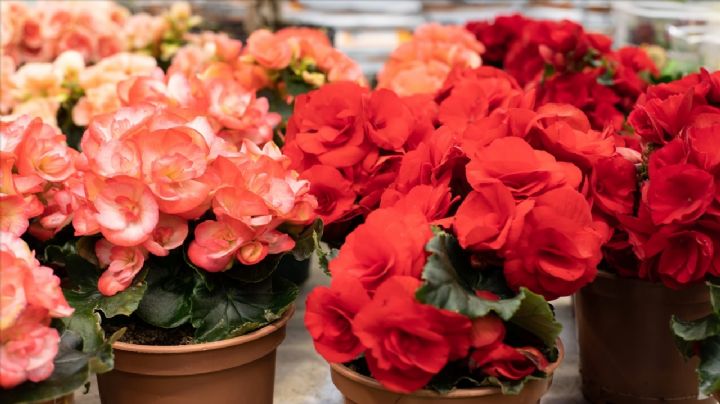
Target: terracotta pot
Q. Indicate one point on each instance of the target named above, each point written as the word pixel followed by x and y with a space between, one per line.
pixel 236 370
pixel 359 389
pixel 66 399
pixel 627 350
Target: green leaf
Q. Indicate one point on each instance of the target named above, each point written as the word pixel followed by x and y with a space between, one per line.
pixel 606 79
pixel 254 273
pixel 715 297
pixel 535 315
pixel 449 282
pixel 324 256
pixel 294 84
pixel 166 302
pixel 548 71
pixel 697 330
pixel 305 241
pixel 236 308
pixel 709 368
pixel 511 387
pixel 125 302
pixel 86 324
pixel 71 372
pixel 81 287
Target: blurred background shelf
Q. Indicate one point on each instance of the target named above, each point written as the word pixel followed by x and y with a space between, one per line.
pixel 368 30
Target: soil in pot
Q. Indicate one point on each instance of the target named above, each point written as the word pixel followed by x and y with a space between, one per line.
pixel 236 370
pixel 627 351
pixel 359 389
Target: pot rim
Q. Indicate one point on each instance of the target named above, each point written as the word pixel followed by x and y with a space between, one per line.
pixel 658 285
pixel 457 393
pixel 207 346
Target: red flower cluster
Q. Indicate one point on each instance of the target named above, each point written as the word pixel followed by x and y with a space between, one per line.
pixel 568 65
pixel 673 230
pixel 347 141
pixel 509 181
pixel 525 172
pixel 371 308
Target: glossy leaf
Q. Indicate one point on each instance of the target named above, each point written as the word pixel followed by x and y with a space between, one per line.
pixel 236 308
pixel 449 282
pixel 166 302
pixel 535 315
pixel 81 287
pixel 709 368
pixel 697 330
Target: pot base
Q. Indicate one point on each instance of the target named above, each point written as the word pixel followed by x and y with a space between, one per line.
pixel 232 371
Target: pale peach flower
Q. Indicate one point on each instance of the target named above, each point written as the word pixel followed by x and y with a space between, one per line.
pixel 29 295
pixel 269 50
pixel 127 212
pixel 28 349
pixel 170 232
pixel 216 243
pixel 12 292
pixel 7 69
pixel 44 108
pixel 121 263
pixel 144 30
pixel 421 65
pixel 100 83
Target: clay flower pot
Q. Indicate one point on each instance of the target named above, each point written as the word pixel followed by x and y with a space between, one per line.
pixel 359 389
pixel 236 370
pixel 627 350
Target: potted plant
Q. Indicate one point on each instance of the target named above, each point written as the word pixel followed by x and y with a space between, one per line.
pixel 701 338
pixel 48 349
pixel 175 229
pixel 440 294
pixel 276 67
pixel 661 202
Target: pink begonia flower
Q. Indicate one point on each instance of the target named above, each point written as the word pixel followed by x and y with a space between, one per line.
pixel 42 289
pixel 107 127
pixel 277 242
pixel 216 242
pixel 174 90
pixel 269 50
pixel 45 153
pixel 41 286
pixel 169 233
pixel 251 253
pixel 7 69
pixel 172 161
pixel 28 349
pixel 12 133
pixel 12 292
pixel 127 211
pixel 29 295
pixel 100 83
pixel 123 263
pixel 16 212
